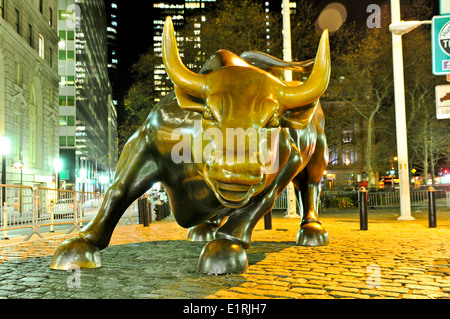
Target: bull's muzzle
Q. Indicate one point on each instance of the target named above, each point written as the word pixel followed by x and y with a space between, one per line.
pixel 234 184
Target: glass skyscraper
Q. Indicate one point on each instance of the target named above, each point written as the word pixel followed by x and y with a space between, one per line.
pixel 88 118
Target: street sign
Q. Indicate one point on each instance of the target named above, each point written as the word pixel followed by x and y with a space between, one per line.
pixel 444 7
pixel 440 46
pixel 443 102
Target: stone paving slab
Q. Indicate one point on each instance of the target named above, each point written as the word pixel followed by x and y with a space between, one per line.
pixel 392 260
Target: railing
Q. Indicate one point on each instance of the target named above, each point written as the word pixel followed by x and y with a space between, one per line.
pixel 379 198
pixel 281 203
pixel 382 198
pixel 17 209
pixel 24 207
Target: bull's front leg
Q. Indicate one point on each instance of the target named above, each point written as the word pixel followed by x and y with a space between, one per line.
pixel 312 233
pixel 136 172
pixel 226 253
pixel 206 231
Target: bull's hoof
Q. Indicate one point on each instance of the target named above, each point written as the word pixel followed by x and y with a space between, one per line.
pixel 222 256
pixel 312 234
pixel 77 252
pixel 203 232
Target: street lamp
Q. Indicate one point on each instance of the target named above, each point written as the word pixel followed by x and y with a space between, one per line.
pixel 398 28
pixel 58 166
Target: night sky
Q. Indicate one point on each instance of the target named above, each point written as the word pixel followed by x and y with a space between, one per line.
pixel 135 29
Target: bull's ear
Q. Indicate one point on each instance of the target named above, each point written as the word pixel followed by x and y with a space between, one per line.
pixel 188 102
pixel 299 118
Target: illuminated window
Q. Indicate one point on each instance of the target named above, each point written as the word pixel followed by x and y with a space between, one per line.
pixel 41 46
pixel 70 140
pixel 70 55
pixel 62 121
pixel 62 54
pixel 62 141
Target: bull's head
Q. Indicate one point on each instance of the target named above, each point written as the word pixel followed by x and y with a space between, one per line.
pixel 243 98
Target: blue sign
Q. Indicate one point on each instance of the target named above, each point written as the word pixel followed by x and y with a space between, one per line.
pixel 440 46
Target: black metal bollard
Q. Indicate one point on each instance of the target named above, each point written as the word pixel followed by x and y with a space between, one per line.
pixel 158 210
pixel 145 211
pixel 268 220
pixel 363 209
pixel 140 211
pixel 149 211
pixel 431 208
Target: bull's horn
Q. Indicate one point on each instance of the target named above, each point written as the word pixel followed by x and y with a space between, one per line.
pixel 291 97
pixel 190 82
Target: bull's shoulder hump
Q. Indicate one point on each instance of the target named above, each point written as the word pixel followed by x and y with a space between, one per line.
pixel 169 115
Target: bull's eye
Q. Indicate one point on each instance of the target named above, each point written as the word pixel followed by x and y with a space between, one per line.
pixel 207 115
pixel 274 121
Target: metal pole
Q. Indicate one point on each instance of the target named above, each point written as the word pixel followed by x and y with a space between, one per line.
pixel 363 209
pixel 431 208
pixel 3 179
pixel 268 220
pixel 400 116
pixel 145 213
pixel 287 50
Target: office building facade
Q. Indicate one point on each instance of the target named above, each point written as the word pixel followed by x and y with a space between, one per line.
pixel 29 90
pixel 88 118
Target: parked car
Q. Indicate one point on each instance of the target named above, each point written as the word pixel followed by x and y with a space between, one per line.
pixel 64 208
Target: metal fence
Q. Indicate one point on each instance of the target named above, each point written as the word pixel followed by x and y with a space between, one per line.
pixel 24 207
pixel 382 198
pixel 16 208
pixel 376 198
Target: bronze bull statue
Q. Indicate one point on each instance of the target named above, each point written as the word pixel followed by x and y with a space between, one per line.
pixel 217 188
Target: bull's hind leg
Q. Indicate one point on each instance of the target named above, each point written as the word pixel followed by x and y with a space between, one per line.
pixel 135 174
pixel 312 233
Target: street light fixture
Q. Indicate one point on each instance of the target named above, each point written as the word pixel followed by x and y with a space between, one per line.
pixel 58 166
pixel 403 27
pixel 398 28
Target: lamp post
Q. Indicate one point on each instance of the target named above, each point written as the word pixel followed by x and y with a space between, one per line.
pixel 398 28
pixel 58 166
pixel 5 149
pixel 287 56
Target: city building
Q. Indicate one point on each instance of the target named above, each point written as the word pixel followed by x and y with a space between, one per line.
pixel 29 90
pixel 87 115
pixel 112 15
pixel 179 10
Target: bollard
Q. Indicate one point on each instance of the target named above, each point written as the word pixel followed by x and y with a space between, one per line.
pixel 363 209
pixel 140 212
pixel 158 210
pixel 145 212
pixel 149 211
pixel 431 208
pixel 268 220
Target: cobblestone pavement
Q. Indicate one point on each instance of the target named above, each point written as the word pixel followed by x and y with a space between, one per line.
pixel 393 259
